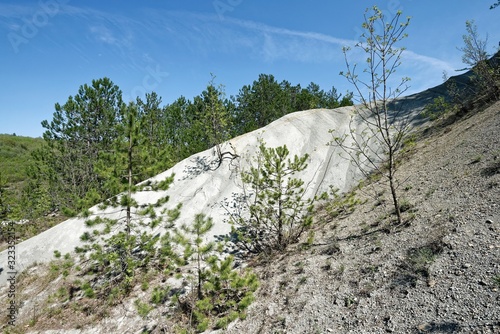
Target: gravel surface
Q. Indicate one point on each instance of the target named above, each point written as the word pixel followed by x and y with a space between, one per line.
pixel 440 273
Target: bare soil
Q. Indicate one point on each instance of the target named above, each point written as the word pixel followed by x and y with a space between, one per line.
pixel 440 273
pixel 437 273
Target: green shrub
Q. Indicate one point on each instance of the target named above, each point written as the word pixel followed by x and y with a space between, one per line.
pixel 221 293
pixel 278 212
pixel 437 108
pixel 160 295
pixel 88 291
pixel 143 309
pixel 341 206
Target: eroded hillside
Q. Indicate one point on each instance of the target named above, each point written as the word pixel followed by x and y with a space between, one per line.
pixel 437 273
pixel 440 273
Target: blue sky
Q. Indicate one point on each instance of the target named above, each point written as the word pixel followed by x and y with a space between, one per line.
pixel 48 48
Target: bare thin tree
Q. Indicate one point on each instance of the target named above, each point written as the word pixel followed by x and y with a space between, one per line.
pixel 385 127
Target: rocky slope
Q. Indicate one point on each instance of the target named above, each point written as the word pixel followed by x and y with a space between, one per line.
pixel 439 273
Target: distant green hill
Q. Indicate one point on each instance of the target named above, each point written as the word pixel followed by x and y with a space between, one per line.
pixel 15 156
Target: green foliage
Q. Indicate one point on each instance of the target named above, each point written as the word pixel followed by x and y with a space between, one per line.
pixel 87 289
pixel 216 118
pixel 80 130
pixel 221 294
pixel 418 260
pixel 119 249
pixel 437 108
pixel 266 100
pixel 275 214
pixel 15 157
pixel 4 207
pixel 160 295
pixel 496 280
pixel 340 206
pixel 143 309
pixel 164 184
pixel 474 49
pixel 84 157
pixel 191 238
pixel 405 205
pixel 485 73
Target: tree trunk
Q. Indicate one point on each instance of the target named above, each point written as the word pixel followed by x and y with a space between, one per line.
pixel 129 218
pixel 393 187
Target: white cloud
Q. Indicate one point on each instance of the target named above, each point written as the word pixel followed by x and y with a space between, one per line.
pixel 104 35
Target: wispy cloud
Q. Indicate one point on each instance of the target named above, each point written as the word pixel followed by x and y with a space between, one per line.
pixel 427 61
pixel 103 34
pixel 277 43
pixel 205 35
pixel 285 44
pixel 111 37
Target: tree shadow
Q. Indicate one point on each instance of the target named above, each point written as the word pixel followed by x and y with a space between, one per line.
pixel 442 327
pixel 201 164
pixel 491 170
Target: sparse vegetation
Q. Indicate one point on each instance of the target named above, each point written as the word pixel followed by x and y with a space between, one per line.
pixel 194 284
pixel 485 78
pixel 340 206
pixel 419 259
pixel 496 280
pixel 438 108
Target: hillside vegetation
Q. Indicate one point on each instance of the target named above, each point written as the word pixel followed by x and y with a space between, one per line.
pixel 411 248
pixel 77 163
pixel 361 273
pixel 16 162
pixel 15 158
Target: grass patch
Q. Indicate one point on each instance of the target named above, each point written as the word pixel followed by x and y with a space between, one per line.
pixel 496 280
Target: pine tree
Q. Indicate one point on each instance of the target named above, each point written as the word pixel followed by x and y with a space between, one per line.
pixel 274 211
pixel 156 149
pixel 81 129
pixel 121 247
pixel 191 238
pixel 222 293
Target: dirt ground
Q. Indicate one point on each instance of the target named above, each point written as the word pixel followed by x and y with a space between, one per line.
pixel 438 273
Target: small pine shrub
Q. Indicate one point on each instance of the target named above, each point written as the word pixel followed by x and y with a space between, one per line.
pixel 87 290
pixel 496 280
pixel 437 108
pixel 159 295
pixel 222 293
pixel 341 206
pixel 278 212
pixel 143 309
